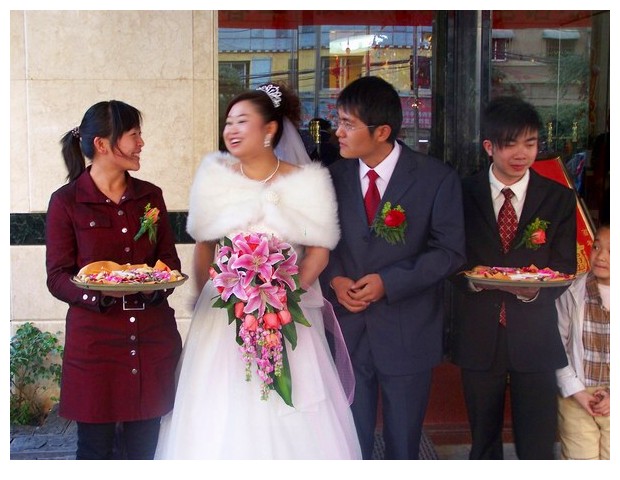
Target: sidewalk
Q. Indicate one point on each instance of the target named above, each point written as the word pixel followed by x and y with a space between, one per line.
pixel 54 440
pixel 57 440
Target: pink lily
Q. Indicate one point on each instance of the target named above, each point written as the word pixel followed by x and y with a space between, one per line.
pixel 255 258
pixel 285 271
pixel 232 282
pixel 262 295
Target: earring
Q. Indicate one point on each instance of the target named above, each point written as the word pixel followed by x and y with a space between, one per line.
pixel 267 142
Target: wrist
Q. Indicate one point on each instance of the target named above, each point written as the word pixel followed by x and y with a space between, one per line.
pixel 525 299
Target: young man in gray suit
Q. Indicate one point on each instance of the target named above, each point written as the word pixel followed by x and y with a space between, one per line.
pixel 402 229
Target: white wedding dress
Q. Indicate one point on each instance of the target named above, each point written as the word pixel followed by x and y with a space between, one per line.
pixel 217 413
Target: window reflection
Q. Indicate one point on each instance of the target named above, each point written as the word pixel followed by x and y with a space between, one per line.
pixel 318 59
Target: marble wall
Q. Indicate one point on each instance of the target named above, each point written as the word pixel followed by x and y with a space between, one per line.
pixel 162 62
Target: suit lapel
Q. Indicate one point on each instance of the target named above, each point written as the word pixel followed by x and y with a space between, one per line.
pixel 482 196
pixel 533 199
pixel 354 200
pixel 402 178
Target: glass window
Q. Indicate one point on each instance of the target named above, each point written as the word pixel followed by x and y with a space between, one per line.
pixel 319 53
pixel 548 67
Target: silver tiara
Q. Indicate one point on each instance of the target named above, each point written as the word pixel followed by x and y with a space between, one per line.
pixel 274 93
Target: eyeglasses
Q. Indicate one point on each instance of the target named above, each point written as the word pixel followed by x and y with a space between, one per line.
pixel 349 127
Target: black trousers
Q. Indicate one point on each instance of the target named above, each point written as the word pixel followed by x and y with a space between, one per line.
pixel 118 441
pixel 533 398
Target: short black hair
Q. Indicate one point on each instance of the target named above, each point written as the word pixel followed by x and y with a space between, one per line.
pixel 375 102
pixel 505 118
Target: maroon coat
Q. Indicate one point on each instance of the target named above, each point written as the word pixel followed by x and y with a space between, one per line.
pixel 118 364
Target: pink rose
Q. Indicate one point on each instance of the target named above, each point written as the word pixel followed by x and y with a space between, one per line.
pixel 538 237
pixel 394 218
pixel 239 309
pixel 271 320
pixel 250 323
pixel 272 340
pixel 285 317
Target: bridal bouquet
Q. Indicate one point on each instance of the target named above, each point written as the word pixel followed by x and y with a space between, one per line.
pixel 256 276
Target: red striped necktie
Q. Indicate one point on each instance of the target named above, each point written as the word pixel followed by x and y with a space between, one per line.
pixel 507 224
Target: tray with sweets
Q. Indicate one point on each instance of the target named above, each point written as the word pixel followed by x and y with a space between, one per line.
pixel 110 276
pixel 531 276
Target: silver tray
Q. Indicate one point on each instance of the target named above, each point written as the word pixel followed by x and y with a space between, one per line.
pixel 130 287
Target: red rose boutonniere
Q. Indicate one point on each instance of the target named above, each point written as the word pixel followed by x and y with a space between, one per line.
pixel 148 223
pixel 391 224
pixel 534 235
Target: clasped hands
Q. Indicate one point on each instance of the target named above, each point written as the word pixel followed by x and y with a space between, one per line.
pixel 596 404
pixel 356 296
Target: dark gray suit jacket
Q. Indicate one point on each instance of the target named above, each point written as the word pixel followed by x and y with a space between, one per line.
pixel 405 327
pixel 533 340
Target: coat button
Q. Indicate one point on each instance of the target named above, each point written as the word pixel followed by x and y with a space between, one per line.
pixel 124 229
pixel 132 353
pixel 127 249
pixel 85 296
pixel 132 319
pixel 120 213
pixel 92 223
pixel 132 338
pixel 134 371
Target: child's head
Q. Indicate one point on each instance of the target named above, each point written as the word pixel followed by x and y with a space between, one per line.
pixel 599 257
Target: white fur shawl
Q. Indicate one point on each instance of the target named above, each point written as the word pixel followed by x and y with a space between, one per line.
pixel 300 206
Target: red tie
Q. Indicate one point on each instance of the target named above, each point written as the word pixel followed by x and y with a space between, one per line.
pixel 507 224
pixel 372 197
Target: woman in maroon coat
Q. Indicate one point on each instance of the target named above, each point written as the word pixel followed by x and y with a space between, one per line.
pixel 121 351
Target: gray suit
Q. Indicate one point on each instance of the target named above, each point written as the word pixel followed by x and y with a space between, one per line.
pixel 396 341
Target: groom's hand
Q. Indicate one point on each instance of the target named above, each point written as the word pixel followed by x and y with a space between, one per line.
pixel 342 286
pixel 368 289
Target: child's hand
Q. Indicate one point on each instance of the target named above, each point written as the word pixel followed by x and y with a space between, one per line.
pixel 602 403
pixel 586 400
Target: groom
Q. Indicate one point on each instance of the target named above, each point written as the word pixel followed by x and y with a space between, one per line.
pixel 386 282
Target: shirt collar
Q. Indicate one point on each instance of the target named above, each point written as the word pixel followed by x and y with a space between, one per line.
pixel 519 188
pixel 387 165
pixel 87 191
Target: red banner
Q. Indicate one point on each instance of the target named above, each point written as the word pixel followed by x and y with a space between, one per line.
pixel 554 169
pixel 287 19
pixel 542 18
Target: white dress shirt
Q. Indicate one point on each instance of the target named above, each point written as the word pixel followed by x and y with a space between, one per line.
pixel 385 170
pixel 519 189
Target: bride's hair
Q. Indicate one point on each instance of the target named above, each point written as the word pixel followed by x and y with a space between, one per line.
pixel 272 106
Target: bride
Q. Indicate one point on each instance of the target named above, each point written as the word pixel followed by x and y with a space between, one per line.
pixel 259 187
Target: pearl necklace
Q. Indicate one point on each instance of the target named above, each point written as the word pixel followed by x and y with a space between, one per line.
pixel 265 180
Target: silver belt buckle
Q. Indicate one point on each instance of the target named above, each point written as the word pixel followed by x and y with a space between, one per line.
pixel 132 304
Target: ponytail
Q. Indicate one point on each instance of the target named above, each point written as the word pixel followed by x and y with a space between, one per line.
pixel 72 154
